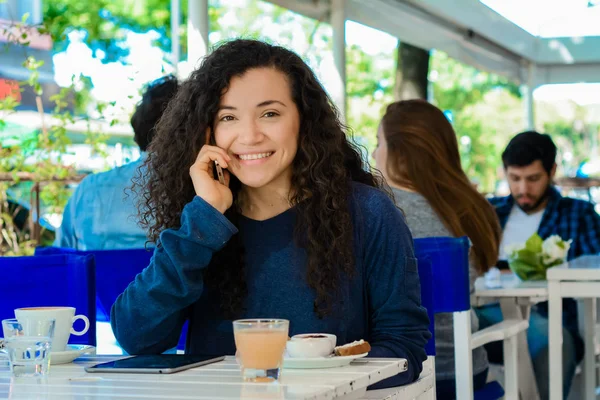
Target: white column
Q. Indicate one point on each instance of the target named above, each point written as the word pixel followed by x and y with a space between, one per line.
pixel 37 14
pixel 338 23
pixel 197 27
pixel 588 316
pixel 463 359
pixel 175 23
pixel 555 339
pixel 527 93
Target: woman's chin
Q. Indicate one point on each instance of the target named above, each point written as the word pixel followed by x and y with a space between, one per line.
pixel 254 182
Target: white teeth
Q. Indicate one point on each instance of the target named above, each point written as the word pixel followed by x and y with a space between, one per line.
pixel 254 156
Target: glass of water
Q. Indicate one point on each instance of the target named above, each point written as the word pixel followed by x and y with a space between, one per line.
pixel 27 345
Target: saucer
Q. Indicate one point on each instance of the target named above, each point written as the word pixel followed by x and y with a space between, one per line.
pixel 320 362
pixel 73 351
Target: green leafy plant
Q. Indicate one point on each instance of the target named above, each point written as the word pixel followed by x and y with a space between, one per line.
pixel 34 163
pixel 531 260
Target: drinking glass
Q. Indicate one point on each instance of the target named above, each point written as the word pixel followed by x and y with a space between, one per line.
pixel 260 346
pixel 27 345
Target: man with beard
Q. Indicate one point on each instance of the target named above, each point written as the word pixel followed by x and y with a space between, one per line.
pixel 535 205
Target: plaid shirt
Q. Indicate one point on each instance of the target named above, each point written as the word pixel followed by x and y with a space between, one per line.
pixel 566 217
pixel 570 219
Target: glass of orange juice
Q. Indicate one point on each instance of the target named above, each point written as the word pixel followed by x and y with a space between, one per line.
pixel 260 345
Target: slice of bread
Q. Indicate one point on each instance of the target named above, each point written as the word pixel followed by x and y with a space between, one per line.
pixel 353 349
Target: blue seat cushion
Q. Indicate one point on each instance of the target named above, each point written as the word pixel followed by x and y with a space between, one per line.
pixel 491 391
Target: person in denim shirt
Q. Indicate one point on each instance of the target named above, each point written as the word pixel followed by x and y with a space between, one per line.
pixel 534 205
pixel 100 215
pixel 299 229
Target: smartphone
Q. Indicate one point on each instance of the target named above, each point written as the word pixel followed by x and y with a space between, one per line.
pixel 155 364
pixel 220 173
pixel 211 140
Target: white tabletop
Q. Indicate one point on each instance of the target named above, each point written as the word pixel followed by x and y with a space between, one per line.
pixel 215 382
pixel 585 268
pixel 511 286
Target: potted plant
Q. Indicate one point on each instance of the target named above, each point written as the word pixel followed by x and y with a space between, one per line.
pixel 531 260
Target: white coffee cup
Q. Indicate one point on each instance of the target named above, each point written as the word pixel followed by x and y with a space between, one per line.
pixel 64 316
pixel 311 345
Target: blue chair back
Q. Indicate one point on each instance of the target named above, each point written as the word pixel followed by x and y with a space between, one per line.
pixel 444 275
pixel 51 280
pixel 424 265
pixel 115 270
pixel 449 258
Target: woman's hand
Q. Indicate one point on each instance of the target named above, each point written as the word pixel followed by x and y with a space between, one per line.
pixel 210 190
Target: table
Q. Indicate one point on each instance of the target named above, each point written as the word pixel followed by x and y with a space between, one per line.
pixel 526 293
pixel 215 382
pixel 579 278
pixel 516 298
pixel 422 389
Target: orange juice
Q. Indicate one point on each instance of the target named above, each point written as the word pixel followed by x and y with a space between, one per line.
pixel 261 348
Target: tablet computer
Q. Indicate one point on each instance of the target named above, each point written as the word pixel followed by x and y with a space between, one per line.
pixel 155 363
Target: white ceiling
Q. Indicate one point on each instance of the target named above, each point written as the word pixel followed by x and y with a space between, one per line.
pixel 551 18
pixel 474 33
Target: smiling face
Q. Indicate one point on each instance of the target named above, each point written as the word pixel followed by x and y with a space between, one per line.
pixel 258 123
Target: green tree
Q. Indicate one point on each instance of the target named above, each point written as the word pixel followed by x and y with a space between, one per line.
pixel 456 85
pixel 369 87
pixel 37 159
pixel 573 129
pixel 104 20
pixel 486 110
pixel 483 129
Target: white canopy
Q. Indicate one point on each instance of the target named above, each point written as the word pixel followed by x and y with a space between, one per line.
pixel 472 32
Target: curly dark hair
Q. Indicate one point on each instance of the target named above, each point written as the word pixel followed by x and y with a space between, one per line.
pixel 325 165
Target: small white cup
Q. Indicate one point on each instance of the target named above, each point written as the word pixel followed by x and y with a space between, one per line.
pixel 311 345
pixel 64 317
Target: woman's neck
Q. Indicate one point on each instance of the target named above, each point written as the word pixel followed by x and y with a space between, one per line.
pixel 400 186
pixel 266 202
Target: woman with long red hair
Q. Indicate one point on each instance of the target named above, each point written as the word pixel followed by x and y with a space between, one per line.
pixel 417 153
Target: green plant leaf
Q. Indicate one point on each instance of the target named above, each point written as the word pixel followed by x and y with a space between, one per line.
pixel 521 268
pixel 527 264
pixel 534 243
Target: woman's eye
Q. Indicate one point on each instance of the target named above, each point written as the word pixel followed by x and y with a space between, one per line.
pixel 227 118
pixel 270 114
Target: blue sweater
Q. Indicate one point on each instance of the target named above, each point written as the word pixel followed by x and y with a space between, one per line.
pixel 381 303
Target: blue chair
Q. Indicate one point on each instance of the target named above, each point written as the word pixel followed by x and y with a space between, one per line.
pixel 443 264
pixel 50 280
pixel 115 270
pixel 448 261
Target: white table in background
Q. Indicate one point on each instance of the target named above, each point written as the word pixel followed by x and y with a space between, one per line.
pixel 218 381
pixel 579 278
pixel 516 298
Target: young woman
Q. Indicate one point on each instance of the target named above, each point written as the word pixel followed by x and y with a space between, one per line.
pixel 298 231
pixel 417 153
